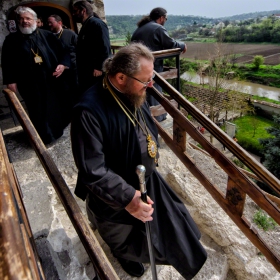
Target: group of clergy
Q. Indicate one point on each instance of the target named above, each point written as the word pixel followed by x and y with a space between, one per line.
pixel 112 129
pixel 51 68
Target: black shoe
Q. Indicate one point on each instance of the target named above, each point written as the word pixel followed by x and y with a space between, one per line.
pixel 135 269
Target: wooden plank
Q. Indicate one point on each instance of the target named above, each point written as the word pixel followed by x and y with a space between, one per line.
pixel 169 74
pixel 26 233
pixel 180 136
pixel 234 212
pixel 159 109
pixel 80 223
pixel 241 180
pixel 221 136
pixel 14 259
pixel 230 168
pixel 235 196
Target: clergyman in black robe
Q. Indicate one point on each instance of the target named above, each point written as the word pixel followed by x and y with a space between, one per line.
pixel 68 39
pixel 152 33
pixel 93 45
pixel 109 139
pixel 33 61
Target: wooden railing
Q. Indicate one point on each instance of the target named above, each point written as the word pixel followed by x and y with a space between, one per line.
pixel 239 184
pixel 168 73
pixel 96 254
pixel 171 73
pixel 18 255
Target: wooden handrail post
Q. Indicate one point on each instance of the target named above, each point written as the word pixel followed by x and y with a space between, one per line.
pixel 85 233
pixel 235 196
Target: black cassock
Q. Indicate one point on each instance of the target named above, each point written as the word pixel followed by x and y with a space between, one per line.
pixel 44 95
pixel 69 39
pixel 93 48
pixel 107 148
pixel 156 38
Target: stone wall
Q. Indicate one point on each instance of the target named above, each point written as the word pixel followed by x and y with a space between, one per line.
pixel 266 109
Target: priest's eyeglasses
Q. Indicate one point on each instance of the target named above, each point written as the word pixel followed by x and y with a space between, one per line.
pixel 146 84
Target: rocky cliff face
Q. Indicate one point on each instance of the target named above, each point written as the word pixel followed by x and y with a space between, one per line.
pixel 230 254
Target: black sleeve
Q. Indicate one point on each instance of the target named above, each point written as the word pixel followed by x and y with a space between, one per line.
pixel 9 62
pixel 63 54
pixel 101 43
pixel 166 41
pixel 87 147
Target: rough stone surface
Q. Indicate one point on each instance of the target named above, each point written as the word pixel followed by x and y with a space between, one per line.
pixel 230 254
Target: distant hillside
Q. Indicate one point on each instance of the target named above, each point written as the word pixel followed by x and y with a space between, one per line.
pixel 250 15
pixel 121 25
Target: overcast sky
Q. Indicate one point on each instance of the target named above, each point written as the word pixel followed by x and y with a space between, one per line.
pixel 205 8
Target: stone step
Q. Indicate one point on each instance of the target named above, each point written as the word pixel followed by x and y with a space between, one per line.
pixel 61 250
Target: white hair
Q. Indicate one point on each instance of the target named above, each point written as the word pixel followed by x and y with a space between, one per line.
pixel 21 10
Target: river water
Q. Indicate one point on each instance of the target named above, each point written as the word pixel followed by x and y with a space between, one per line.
pixel 245 87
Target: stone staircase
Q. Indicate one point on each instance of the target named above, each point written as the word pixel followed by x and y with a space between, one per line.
pixel 230 254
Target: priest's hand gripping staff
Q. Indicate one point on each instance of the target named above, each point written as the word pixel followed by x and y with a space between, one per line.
pixel 140 170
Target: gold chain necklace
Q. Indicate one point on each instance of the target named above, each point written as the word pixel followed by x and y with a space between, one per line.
pixel 37 58
pixel 152 147
pixel 60 33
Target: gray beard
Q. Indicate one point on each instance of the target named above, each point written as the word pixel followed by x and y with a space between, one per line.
pixel 136 101
pixel 27 30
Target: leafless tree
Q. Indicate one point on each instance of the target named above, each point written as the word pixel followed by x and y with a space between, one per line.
pixel 221 95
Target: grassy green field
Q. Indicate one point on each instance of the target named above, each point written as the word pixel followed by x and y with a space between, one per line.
pixel 250 129
pixel 117 42
pixel 260 98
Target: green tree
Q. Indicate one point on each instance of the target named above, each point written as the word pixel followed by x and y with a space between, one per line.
pixel 235 103
pixel 275 32
pixel 271 148
pixel 127 38
pixel 258 61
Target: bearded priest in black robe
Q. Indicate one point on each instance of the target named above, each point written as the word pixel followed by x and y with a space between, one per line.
pixel 33 62
pixel 93 45
pixel 112 132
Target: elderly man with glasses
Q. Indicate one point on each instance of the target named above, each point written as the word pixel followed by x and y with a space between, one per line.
pixel 151 32
pixel 112 133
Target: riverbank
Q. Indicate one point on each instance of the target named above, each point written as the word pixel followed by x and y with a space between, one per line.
pixel 249 88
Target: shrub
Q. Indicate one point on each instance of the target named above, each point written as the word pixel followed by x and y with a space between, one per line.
pixel 238 163
pixel 249 145
pixel 258 61
pixel 262 220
